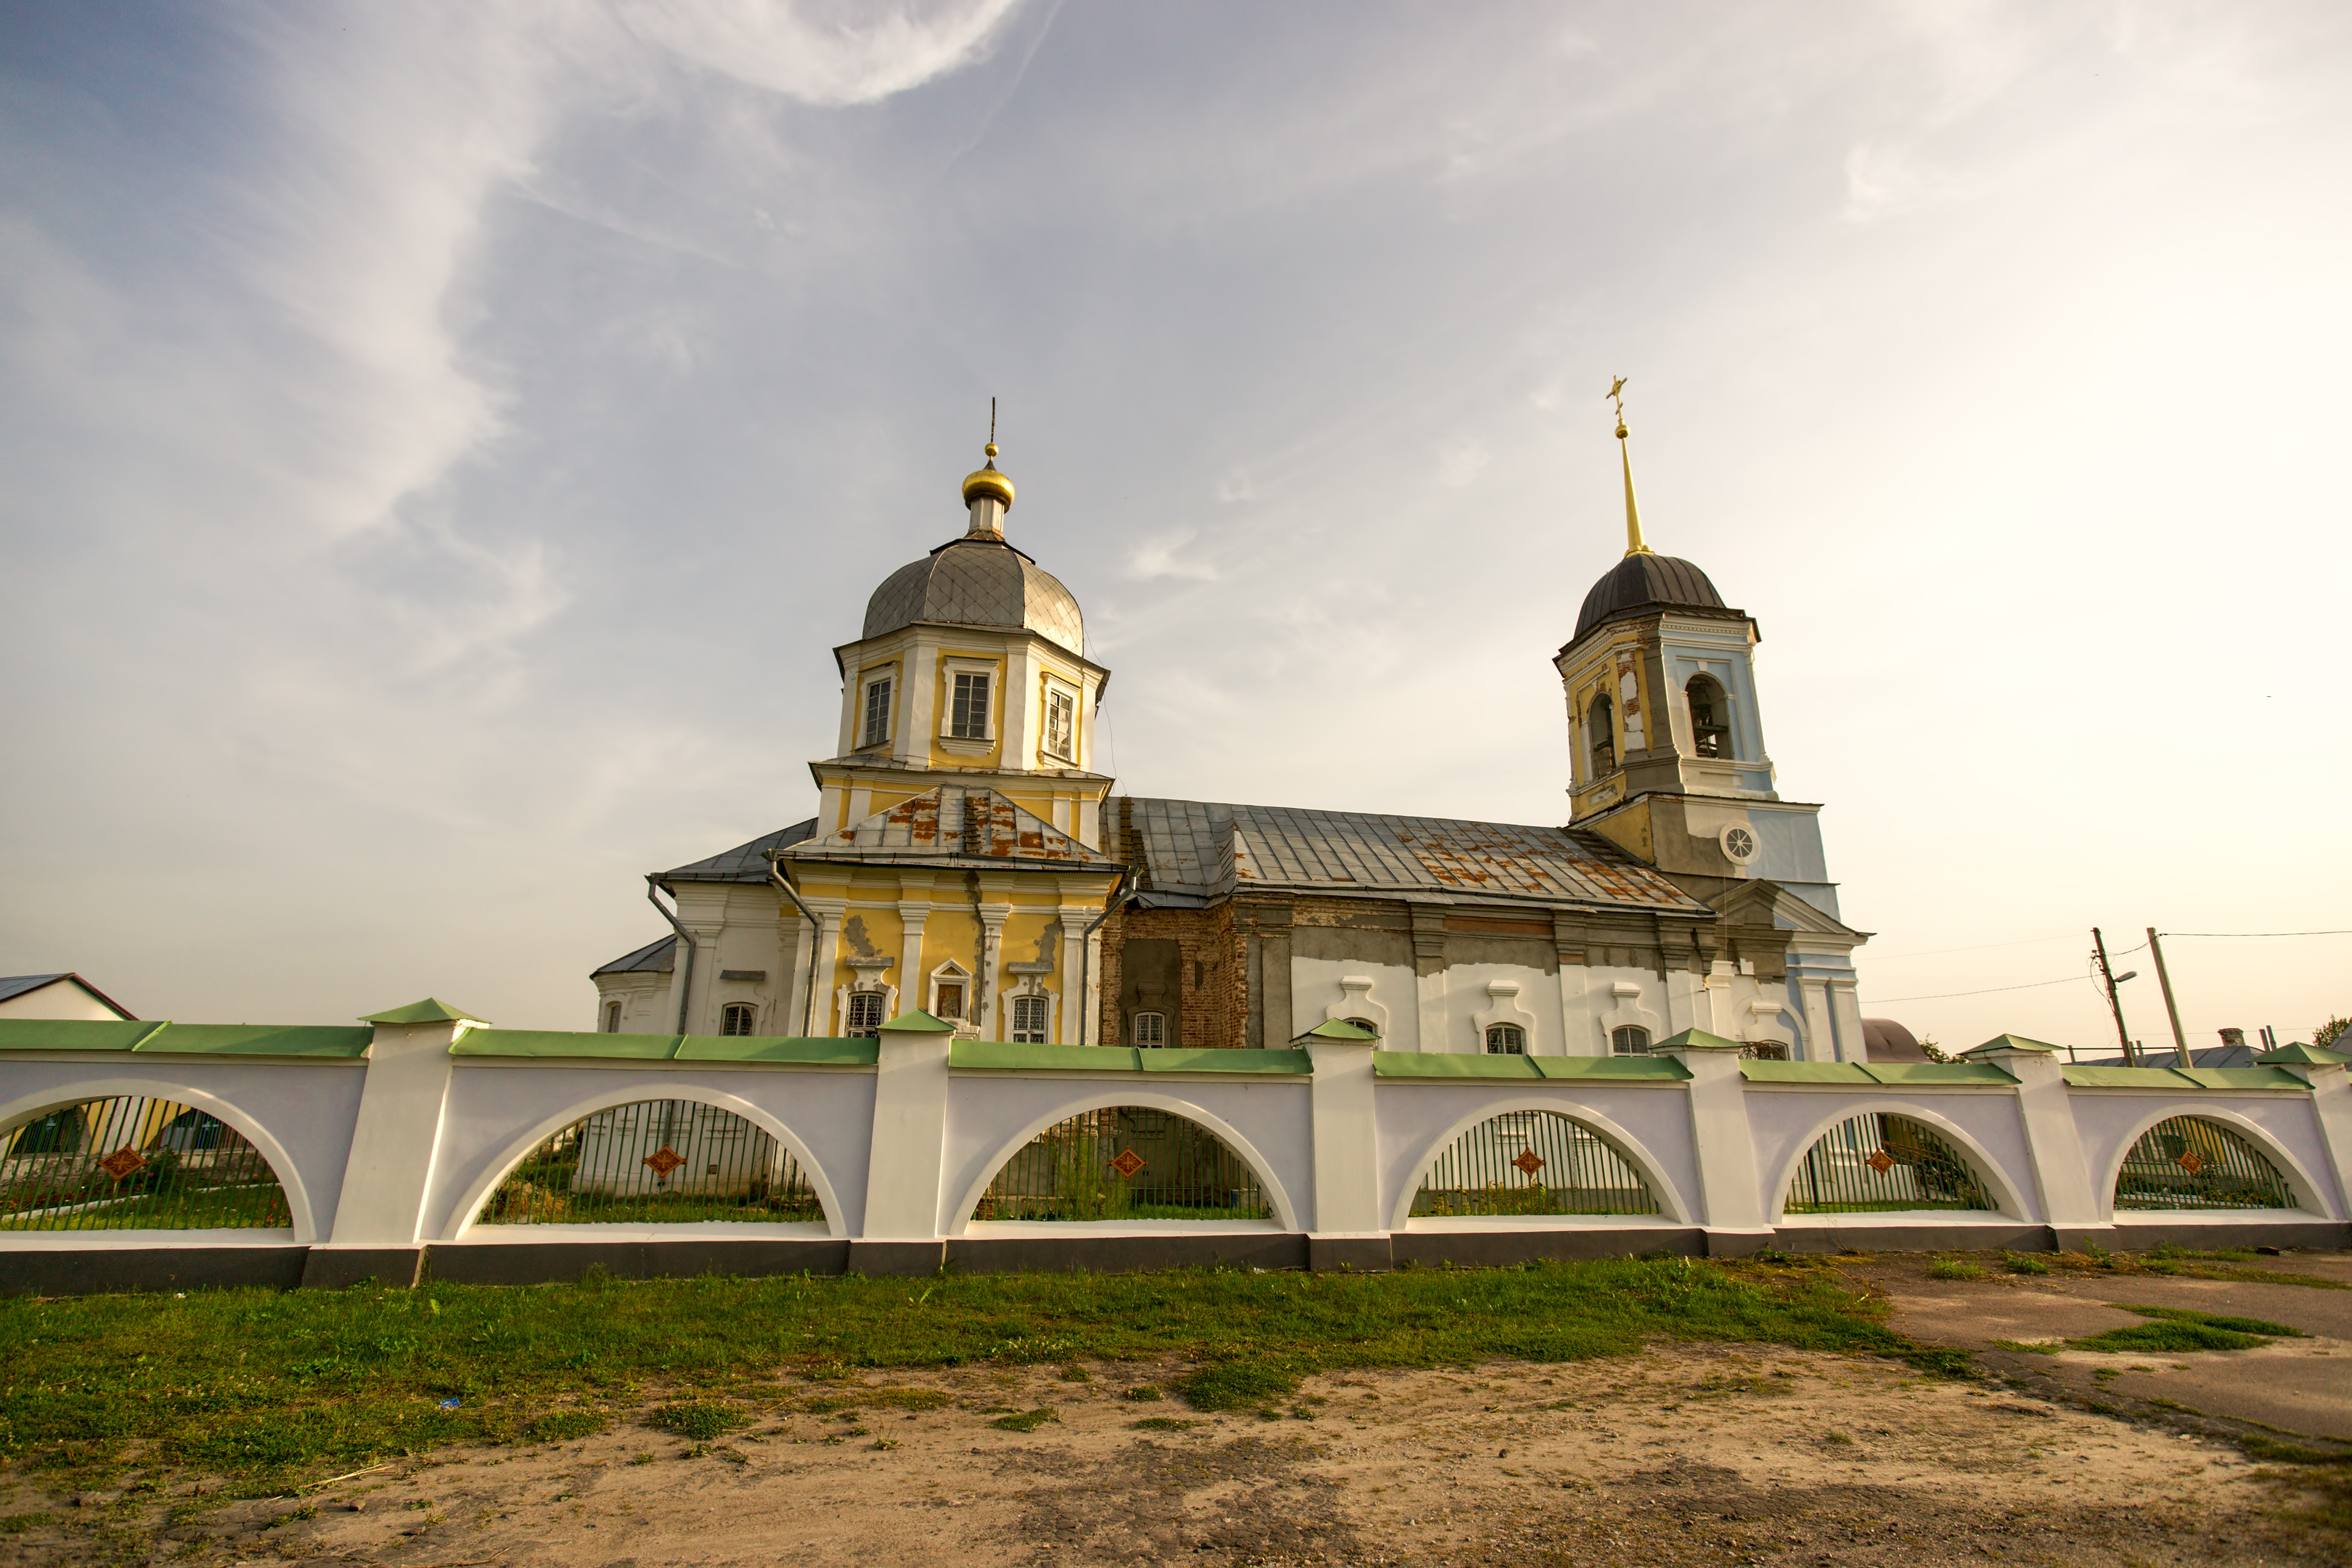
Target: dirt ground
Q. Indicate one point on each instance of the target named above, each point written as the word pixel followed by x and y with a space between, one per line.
pixel 1704 1453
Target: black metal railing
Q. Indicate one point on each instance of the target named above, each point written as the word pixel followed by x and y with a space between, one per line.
pixel 672 1161
pixel 2188 1163
pixel 1532 1163
pixel 1124 1161
pixel 135 1162
pixel 1878 1163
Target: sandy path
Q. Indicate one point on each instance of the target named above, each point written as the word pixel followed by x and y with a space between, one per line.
pixel 1686 1455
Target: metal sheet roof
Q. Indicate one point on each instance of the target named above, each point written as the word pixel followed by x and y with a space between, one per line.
pixel 1192 850
pixel 658 956
pixel 743 863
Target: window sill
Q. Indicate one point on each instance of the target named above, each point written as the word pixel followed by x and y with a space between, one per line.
pixel 959 746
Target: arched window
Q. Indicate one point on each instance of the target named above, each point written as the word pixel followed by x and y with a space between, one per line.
pixel 131 1162
pixel 1532 1162
pixel 738 1018
pixel 1126 1162
pixel 1710 713
pixel 862 1019
pixel 1029 1015
pixel 1150 1029
pixel 1629 1041
pixel 1765 1051
pixel 664 1161
pixel 1601 736
pixel 2188 1163
pixel 1506 1040
pixel 613 1017
pixel 1876 1162
pixel 1366 1024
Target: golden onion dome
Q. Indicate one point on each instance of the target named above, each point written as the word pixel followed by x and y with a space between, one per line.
pixel 987 481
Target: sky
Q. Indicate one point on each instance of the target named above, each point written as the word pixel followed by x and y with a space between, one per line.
pixel 444 443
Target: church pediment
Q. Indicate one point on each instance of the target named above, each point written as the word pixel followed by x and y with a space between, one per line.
pixel 951 823
pixel 1764 902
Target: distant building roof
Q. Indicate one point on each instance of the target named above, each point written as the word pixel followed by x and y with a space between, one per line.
pixel 19 984
pixel 744 863
pixel 2239 1056
pixel 1191 852
pixel 658 956
pixel 1888 1041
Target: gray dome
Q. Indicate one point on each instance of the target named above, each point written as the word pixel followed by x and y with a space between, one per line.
pixel 973 581
pixel 1643 581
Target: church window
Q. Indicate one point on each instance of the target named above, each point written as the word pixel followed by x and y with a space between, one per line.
pixel 1029 1020
pixel 738 1018
pixel 1601 734
pixel 864 1018
pixel 1629 1041
pixel 878 712
pixel 968 714
pixel 1061 728
pixel 1151 1028
pixel 1366 1025
pixel 1506 1040
pixel 1765 1051
pixel 1710 712
pixel 611 1017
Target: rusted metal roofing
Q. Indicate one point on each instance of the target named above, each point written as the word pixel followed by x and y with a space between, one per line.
pixel 956 824
pixel 1190 850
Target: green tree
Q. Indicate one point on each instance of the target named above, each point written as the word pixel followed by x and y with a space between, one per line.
pixel 2328 1034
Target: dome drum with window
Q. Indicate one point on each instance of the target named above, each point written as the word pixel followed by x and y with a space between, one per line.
pixel 1532 1163
pixel 657 1161
pixel 2189 1163
pixel 133 1162
pixel 1125 1162
pixel 1881 1163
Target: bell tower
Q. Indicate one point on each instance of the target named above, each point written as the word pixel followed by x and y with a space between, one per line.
pixel 1666 733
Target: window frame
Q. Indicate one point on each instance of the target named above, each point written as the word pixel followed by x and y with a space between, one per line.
pixel 1617 1036
pixel 1720 728
pixel 613 1011
pixel 1058 690
pixel 887 684
pixel 1515 1041
pixel 955 670
pixel 746 1012
pixel 1606 741
pixel 1159 1030
pixel 1041 1008
pixel 850 1026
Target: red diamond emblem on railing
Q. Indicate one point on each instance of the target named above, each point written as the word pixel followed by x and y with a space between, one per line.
pixel 121 1163
pixel 1129 1163
pixel 2190 1161
pixel 1880 1161
pixel 1529 1162
pixel 664 1159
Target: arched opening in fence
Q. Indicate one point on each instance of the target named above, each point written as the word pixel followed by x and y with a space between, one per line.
pixel 674 1161
pixel 1124 1161
pixel 2188 1163
pixel 1532 1163
pixel 134 1161
pixel 1880 1162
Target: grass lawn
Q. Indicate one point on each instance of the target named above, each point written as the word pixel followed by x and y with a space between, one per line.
pixel 270 1387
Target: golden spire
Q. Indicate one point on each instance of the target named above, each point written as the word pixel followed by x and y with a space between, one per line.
pixel 1633 545
pixel 987 492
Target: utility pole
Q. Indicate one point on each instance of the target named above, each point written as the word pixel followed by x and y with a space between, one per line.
pixel 2114 1003
pixel 2179 1040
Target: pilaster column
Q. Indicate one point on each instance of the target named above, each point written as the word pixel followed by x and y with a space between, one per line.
pixel 1429 979
pixel 1845 1016
pixel 899 1232
pixel 912 991
pixel 827 937
pixel 1730 1192
pixel 989 981
pixel 2069 1207
pixel 1348 1229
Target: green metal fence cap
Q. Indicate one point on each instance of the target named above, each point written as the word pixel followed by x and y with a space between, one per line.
pixel 432 1010
pixel 1805 1072
pixel 1696 1040
pixel 1338 1029
pixel 1663 1069
pixel 2014 1043
pixel 915 1021
pixel 338 1041
pixel 565 1043
pixel 1450 1064
pixel 2300 1055
pixel 73 1034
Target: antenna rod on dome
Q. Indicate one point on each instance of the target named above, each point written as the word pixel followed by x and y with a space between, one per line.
pixel 1633 545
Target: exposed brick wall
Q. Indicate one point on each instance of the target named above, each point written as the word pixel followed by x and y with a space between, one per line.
pixel 1212 973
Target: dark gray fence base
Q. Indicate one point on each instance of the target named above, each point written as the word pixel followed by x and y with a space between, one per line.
pixel 116 1269
pixel 103 1271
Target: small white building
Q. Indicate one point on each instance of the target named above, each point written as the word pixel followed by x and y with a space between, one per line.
pixel 65 995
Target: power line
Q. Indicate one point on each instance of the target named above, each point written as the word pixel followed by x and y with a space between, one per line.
pixel 1941 995
pixel 2255 933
